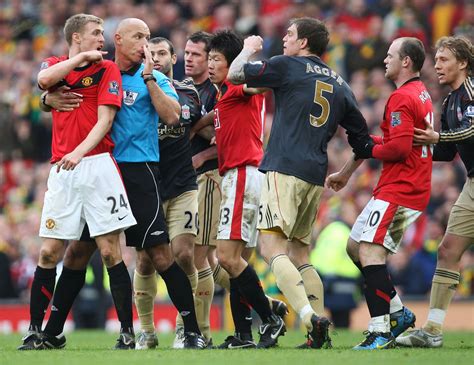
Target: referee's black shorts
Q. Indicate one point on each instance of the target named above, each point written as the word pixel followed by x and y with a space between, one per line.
pixel 141 180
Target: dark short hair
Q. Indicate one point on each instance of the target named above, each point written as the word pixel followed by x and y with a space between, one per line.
pixel 413 48
pixel 201 37
pixel 228 43
pixel 158 40
pixel 461 48
pixel 314 31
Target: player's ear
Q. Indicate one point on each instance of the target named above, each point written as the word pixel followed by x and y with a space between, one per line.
pixel 462 65
pixel 76 37
pixel 174 58
pixel 304 43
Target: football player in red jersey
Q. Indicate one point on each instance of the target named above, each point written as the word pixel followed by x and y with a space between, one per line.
pixel 454 64
pixel 400 196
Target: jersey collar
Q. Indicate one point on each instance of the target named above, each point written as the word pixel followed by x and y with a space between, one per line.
pixel 417 78
pixel 132 71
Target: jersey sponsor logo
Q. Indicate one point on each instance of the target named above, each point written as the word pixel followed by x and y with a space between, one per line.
pixel 114 87
pixel 50 223
pixel 129 97
pixel 165 131
pixel 185 112
pixel 396 119
pixel 87 81
pixel 470 111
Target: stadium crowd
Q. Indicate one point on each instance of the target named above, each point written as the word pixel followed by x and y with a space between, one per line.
pixel 361 31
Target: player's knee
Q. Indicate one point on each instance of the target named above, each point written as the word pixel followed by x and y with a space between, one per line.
pixel 49 256
pixel 446 254
pixel 110 256
pixel 185 258
pixel 75 259
pixel 228 262
pixel 145 267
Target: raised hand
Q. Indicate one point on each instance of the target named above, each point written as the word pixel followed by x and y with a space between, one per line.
pixel 94 56
pixel 254 42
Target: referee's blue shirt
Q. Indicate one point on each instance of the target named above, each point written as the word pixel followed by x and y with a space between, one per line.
pixel 135 128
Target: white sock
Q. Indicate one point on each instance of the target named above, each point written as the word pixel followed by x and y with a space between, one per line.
pixel 395 304
pixel 380 324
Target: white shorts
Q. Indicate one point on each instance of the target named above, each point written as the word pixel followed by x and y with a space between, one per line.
pixel 240 205
pixel 93 192
pixel 383 223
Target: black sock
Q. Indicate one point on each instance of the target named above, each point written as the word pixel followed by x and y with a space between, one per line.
pixel 379 289
pixel 251 289
pixel 181 294
pixel 121 289
pixel 42 290
pixel 69 284
pixel 241 311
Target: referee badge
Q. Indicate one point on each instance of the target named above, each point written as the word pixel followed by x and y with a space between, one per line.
pixel 396 119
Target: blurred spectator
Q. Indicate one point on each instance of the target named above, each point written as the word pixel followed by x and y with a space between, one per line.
pixel 370 52
pixel 445 16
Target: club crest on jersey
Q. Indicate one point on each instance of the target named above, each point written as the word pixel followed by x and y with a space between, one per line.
pixel 470 111
pixel 114 87
pixel 129 97
pixel 87 81
pixel 50 223
pixel 185 112
pixel 396 119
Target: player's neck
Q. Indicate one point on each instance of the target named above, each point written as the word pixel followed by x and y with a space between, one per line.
pixel 456 84
pixel 198 80
pixel 404 77
pixel 74 50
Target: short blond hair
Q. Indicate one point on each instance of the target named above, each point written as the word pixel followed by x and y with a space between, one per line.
pixel 76 24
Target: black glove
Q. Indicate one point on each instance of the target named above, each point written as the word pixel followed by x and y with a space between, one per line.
pixel 364 150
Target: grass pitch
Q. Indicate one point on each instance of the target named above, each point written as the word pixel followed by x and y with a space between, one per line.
pixel 94 347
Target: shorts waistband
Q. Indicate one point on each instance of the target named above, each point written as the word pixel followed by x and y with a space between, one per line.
pixel 100 155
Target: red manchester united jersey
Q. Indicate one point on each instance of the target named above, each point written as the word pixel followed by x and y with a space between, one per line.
pixel 407 182
pixel 238 121
pixel 99 84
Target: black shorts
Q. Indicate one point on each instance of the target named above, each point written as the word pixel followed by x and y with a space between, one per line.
pixel 141 182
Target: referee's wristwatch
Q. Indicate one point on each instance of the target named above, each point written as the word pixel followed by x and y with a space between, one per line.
pixel 148 77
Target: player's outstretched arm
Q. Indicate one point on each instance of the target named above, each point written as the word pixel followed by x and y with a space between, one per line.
pixel 252 45
pixel 106 114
